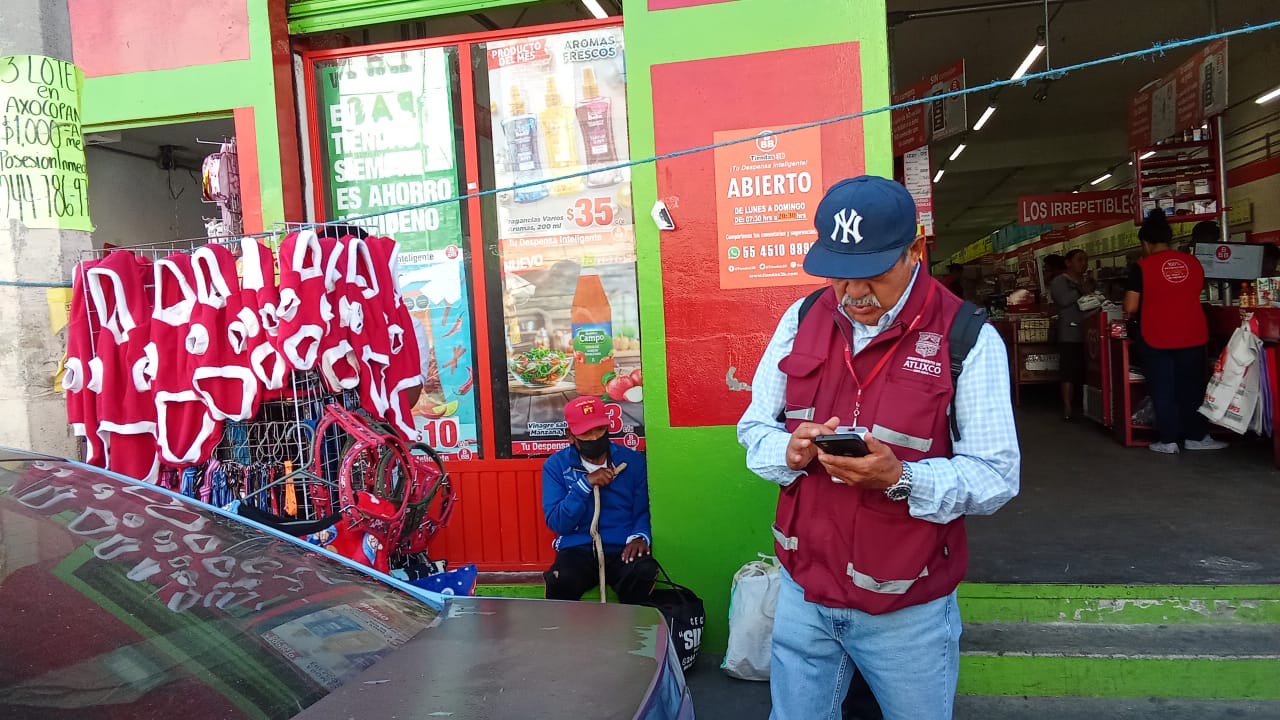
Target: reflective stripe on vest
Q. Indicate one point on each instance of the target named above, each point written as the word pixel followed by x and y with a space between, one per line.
pixel 787 543
pixel 888 587
pixel 901 439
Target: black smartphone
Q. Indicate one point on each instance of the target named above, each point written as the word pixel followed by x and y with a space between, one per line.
pixel 846 444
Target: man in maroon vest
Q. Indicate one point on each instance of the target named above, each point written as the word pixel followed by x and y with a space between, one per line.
pixel 873 547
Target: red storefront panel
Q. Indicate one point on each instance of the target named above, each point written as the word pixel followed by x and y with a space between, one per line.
pixel 498 524
pixel 715 336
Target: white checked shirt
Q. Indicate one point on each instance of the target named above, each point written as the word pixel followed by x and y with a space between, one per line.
pixel 982 475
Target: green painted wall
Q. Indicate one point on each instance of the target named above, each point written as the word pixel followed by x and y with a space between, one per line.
pixel 198 92
pixel 709 514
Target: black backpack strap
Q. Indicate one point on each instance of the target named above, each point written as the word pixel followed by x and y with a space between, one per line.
pixel 964 335
pixel 810 300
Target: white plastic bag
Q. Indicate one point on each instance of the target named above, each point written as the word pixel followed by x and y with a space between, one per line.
pixel 752 602
pixel 1231 397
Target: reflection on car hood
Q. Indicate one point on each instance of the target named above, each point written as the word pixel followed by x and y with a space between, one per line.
pixel 502 658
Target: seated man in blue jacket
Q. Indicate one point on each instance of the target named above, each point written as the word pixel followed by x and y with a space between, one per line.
pixel 592 461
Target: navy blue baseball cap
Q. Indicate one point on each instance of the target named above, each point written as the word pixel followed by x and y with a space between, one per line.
pixel 864 224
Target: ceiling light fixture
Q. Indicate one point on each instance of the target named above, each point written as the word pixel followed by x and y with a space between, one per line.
pixel 986 115
pixel 1105 177
pixel 938 177
pixel 594 7
pixel 959 149
pixel 1032 56
pixel 1268 96
pixel 1147 155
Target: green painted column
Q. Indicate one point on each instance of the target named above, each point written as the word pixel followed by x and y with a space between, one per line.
pixel 710 515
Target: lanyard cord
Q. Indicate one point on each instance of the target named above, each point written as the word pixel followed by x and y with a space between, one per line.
pixel 875 371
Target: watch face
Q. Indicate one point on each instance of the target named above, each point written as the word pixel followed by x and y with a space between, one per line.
pixel 898 492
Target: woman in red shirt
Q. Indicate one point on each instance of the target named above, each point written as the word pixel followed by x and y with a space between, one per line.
pixel 1164 289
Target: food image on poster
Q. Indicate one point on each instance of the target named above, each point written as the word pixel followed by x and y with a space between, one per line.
pixel 569 297
pixel 386 124
pixel 766 193
pixel 434 288
pixel 572 329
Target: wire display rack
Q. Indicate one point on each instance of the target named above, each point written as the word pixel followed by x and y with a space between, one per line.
pixel 273 460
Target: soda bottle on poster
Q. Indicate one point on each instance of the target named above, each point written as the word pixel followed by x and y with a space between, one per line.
pixel 591 318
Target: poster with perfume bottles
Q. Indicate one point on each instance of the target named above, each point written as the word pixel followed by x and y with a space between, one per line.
pixel 566 233
pixel 386 127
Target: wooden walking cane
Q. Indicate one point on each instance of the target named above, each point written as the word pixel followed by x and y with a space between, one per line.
pixel 596 542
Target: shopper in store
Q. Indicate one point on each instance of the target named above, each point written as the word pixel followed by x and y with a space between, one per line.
pixel 1163 290
pixel 874 546
pixel 1054 265
pixel 1066 290
pixel 569 478
pixel 955 279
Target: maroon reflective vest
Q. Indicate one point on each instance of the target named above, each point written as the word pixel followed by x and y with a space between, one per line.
pixel 854 548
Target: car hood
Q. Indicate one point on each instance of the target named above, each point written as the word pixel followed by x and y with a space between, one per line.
pixel 507 658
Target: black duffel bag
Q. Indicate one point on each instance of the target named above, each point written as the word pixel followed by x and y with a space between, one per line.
pixel 685 616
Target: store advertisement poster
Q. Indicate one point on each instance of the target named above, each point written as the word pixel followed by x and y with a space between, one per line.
pixel 1183 100
pixel 715 336
pixel 918 177
pixel 570 303
pixel 933 121
pixel 44 182
pixel 386 124
pixel 767 191
pixel 434 286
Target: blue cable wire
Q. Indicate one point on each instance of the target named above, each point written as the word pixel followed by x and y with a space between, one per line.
pixel 1057 73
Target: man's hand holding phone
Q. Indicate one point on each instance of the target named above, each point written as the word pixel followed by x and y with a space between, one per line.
pixel 877 470
pixel 801 451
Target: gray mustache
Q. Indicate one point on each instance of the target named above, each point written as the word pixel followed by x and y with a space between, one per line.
pixel 866 300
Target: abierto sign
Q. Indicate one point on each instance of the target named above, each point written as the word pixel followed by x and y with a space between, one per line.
pixel 1076 207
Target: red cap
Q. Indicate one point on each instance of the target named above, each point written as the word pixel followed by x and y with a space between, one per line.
pixel 585 414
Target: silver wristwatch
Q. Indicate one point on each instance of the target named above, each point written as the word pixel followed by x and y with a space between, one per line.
pixel 900 490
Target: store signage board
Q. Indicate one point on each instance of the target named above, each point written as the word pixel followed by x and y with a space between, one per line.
pixel 571 313
pixel 1182 100
pixel 766 193
pixel 917 176
pixel 1061 208
pixel 930 122
pixel 386 123
pixel 45 183
pixel 1223 261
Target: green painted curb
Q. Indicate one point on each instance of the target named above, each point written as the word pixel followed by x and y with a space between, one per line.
pixel 1123 604
pixel 1099 677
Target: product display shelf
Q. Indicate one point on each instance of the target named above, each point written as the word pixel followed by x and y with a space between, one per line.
pixel 1166 169
pixel 1096 401
pixel 1127 396
pixel 1023 355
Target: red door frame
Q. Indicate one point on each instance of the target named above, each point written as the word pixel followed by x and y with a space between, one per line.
pixel 471 172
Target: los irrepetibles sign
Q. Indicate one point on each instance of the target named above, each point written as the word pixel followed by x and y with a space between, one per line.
pixel 1076 207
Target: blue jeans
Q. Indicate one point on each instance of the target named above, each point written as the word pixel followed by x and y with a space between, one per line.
pixel 911 657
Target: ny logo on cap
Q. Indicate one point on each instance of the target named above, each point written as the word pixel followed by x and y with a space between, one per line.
pixel 847 222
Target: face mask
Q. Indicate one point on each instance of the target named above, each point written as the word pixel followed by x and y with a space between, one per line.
pixel 592 449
